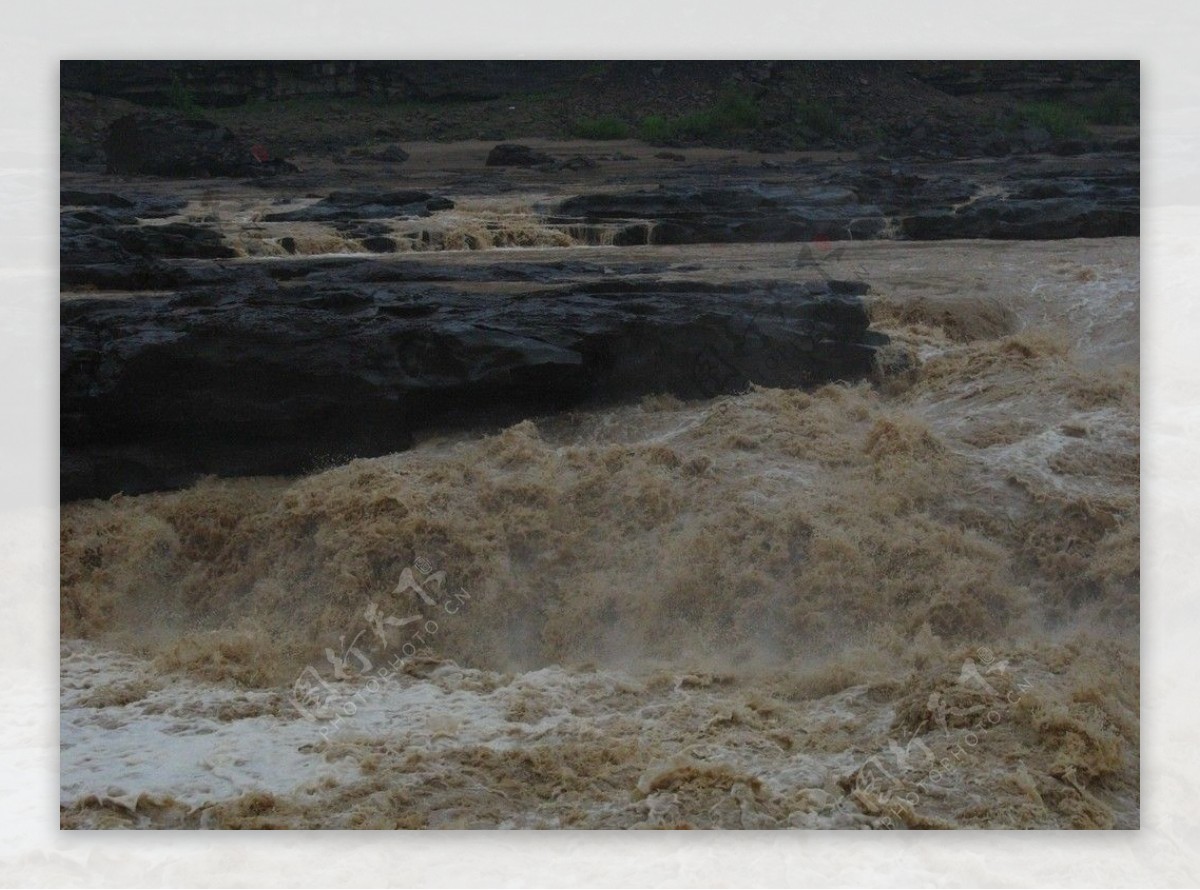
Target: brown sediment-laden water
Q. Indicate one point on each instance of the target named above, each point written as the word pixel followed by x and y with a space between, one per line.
pixel 906 600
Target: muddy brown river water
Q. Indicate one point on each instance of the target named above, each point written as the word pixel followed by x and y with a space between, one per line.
pixel 910 601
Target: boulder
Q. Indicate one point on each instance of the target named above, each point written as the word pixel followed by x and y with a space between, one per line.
pixel 352 206
pixel 159 144
pixel 379 244
pixel 508 154
pixel 391 154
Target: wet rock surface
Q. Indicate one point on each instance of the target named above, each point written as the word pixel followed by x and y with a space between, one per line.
pixel 109 241
pixel 1046 199
pixel 345 206
pixel 227 335
pixel 276 377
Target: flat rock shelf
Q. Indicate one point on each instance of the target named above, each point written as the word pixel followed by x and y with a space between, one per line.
pixel 273 377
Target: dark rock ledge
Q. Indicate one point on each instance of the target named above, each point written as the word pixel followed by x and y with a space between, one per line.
pixel 280 378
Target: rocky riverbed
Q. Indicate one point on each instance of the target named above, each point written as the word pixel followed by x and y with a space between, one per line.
pixel 261 327
pixel 620 488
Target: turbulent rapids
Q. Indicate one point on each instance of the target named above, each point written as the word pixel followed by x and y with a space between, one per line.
pixel 908 602
pixel 789 479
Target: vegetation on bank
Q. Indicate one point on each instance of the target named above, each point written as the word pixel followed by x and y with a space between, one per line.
pixel 1073 120
pixel 731 113
pixel 734 112
pixel 1060 120
pixel 817 118
pixel 795 113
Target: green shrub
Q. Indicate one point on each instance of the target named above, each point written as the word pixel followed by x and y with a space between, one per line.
pixel 697 125
pixel 655 129
pixel 1059 120
pixel 607 127
pixel 732 112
